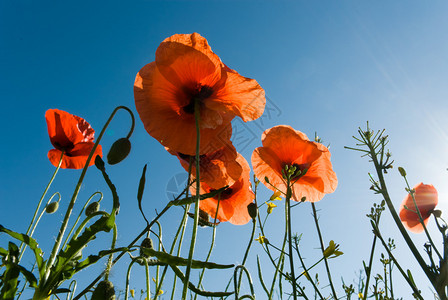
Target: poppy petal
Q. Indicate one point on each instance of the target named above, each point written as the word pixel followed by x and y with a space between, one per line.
pixel 242 96
pixel 76 158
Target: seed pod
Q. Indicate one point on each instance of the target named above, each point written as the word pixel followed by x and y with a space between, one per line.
pixel 119 150
pixel 146 243
pixel 104 291
pixel 402 171
pixel 52 207
pixel 253 210
pixel 92 208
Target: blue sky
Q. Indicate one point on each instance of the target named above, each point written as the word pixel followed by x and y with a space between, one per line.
pixel 326 67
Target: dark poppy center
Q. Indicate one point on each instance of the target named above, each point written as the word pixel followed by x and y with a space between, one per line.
pixel 187 157
pixel 200 93
pixel 66 147
pixel 226 194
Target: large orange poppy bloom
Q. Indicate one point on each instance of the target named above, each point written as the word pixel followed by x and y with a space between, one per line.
pixel 233 201
pixel 426 199
pixel 283 146
pixel 74 136
pixel 185 72
pixel 218 168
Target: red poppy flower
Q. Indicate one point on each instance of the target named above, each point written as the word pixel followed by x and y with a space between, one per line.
pixel 233 201
pixel 218 168
pixel 185 72
pixel 426 199
pixel 283 146
pixel 73 135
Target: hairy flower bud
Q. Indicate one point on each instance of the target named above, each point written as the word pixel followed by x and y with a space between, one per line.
pixel 119 150
pixel 104 291
pixel 92 208
pixel 52 207
pixel 253 210
pixel 402 171
pixel 146 243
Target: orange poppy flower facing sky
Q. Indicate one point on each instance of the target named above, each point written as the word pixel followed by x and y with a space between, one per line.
pixel 283 146
pixel 185 72
pixel 70 134
pixel 233 201
pixel 426 199
pixel 218 168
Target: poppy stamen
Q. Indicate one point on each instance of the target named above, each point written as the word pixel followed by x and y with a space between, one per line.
pixel 294 171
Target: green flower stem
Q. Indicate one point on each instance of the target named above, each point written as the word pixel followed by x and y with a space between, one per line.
pixel 235 272
pixel 254 225
pixel 180 247
pixel 64 224
pixel 79 216
pixel 196 204
pixel 369 270
pixel 173 245
pixel 288 222
pixel 395 216
pixel 111 256
pixel 128 276
pixel 306 270
pixel 323 249
pixel 22 245
pixel 403 273
pixel 148 286
pixel 212 244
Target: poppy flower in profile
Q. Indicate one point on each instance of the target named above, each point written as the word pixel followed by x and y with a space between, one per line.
pixel 233 201
pixel 73 136
pixel 218 168
pixel 426 199
pixel 187 74
pixel 283 146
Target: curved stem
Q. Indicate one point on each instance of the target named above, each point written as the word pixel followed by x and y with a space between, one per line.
pixel 235 272
pixel 196 204
pixel 254 223
pixel 323 249
pixel 79 216
pixel 22 245
pixel 128 276
pixel 68 213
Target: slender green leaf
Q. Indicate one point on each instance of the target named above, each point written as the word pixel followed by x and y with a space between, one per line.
pixel 191 286
pixel 31 243
pixel 141 188
pixel 192 199
pixel 29 276
pixel 180 261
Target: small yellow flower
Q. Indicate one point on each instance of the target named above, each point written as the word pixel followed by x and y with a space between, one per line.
pixel 132 293
pixel 360 296
pixel 160 292
pixel 332 249
pixel 276 195
pixel 270 206
pixel 262 239
pixel 305 273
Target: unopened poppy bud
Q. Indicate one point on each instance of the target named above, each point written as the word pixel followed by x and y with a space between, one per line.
pixel 119 150
pixel 437 213
pixel 266 179
pixel 303 199
pixel 99 163
pixel 52 207
pixel 146 243
pixel 402 171
pixel 252 210
pixel 203 216
pixel 104 291
pixel 92 208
